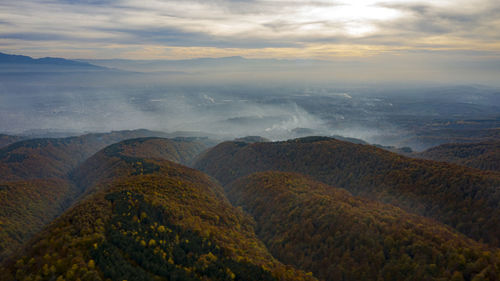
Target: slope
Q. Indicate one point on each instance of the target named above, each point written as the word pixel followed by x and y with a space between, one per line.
pixel 326 230
pixel 465 198
pixel 56 157
pixel 152 220
pixel 8 139
pixel 132 151
pixel 37 176
pixel 483 155
pixel 27 206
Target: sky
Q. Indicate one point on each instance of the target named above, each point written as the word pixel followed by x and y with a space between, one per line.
pixel 284 29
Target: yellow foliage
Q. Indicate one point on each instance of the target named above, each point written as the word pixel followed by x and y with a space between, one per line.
pixel 45 269
pixel 230 273
pixel 91 264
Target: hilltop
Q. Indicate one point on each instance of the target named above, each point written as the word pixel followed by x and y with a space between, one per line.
pixel 151 220
pixel 482 155
pixel 464 198
pixel 37 177
pixel 337 236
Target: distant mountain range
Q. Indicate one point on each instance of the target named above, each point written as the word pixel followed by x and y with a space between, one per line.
pixel 25 63
pixel 198 64
pixel 19 59
pixel 224 64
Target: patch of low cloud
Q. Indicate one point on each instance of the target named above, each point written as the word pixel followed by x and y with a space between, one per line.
pixel 105 109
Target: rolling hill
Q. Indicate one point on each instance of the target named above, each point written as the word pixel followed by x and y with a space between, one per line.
pixel 151 220
pixel 464 198
pixel 131 151
pixel 38 181
pixel 337 236
pixel 483 155
pixel 56 157
pixel 8 139
pixel 132 212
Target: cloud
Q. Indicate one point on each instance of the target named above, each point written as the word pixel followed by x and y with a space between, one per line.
pixel 318 28
pixel 470 23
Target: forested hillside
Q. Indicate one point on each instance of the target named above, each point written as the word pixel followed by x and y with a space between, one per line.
pixel 37 181
pixel 129 154
pixel 483 155
pixel 154 221
pixel 26 206
pixel 464 198
pixel 337 236
pixel 7 139
pixel 137 215
pixel 56 157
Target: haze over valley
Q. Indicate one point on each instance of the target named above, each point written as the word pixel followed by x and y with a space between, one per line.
pixel 73 98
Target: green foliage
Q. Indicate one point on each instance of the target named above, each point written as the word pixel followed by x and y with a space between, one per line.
pixel 175 254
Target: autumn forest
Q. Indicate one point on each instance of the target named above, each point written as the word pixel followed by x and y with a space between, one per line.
pixel 130 206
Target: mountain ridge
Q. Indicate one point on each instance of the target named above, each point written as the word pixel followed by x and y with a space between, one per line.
pixel 170 222
pixel 338 236
pixel 27 60
pixel 40 178
pixel 462 197
pixel 482 155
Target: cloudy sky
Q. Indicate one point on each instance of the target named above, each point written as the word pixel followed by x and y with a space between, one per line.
pixel 332 30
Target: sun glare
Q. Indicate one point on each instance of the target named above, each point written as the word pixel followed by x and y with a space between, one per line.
pixel 350 18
